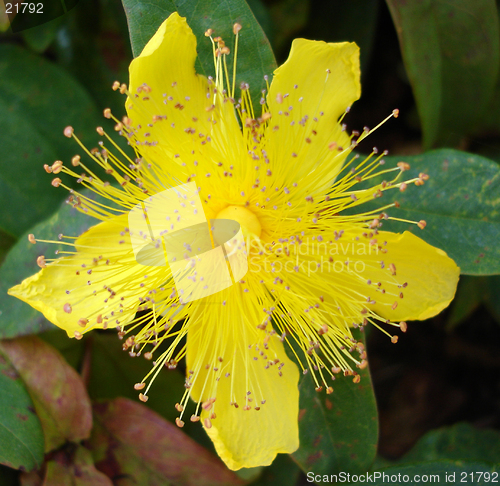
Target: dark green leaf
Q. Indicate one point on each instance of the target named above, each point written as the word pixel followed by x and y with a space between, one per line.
pixel 59 395
pixel 492 296
pixel 459 202
pixel 16 317
pixel 451 54
pixel 443 472
pixel 462 442
pixel 282 472
pixel 40 37
pixel 37 100
pixel 470 294
pixel 338 432
pixel 21 436
pixel 255 57
pixel 133 442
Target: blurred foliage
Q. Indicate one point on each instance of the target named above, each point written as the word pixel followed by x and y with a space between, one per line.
pixel 437 391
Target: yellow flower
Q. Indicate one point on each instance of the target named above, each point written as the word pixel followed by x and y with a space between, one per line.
pixel 314 271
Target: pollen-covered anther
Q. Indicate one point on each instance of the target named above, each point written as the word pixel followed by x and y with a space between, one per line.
pixel 422 224
pixel 143 398
pixel 139 386
pixel 207 405
pixel 209 32
pixel 207 423
pixel 75 160
pixel 323 329
pixel 403 326
pixel 336 369
pixel 403 186
pixel 423 176
pixel 100 131
pixel 107 113
pixel 115 85
pixel 56 182
pixel 57 166
pixel 68 131
pixel 123 88
pixel 83 322
pixel 179 407
pixel 356 379
pixel 392 269
pixel 40 261
pixel 47 168
pixel 236 28
pixel 403 166
pixel 394 339
pixel 148 356
pixel 67 308
pixel 31 239
pixel 395 113
pixel 78 335
pixel 195 418
pixel 179 423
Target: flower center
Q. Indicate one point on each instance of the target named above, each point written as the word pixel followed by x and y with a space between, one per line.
pixel 248 221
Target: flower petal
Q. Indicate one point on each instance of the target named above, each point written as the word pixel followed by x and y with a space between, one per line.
pixel 431 277
pixel 100 283
pixel 176 111
pixel 308 94
pixel 244 436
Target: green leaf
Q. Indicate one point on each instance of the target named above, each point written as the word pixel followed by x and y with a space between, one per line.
pixel 462 442
pixel 451 55
pixel 255 57
pixel 443 472
pixel 16 317
pixel 37 100
pixel 460 203
pixel 59 395
pixel 40 37
pixel 470 294
pixel 129 440
pixel 21 436
pixel 338 432
pixel 282 472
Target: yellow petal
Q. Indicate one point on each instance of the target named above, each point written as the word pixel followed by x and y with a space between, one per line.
pixel 308 94
pixel 175 111
pixel 431 277
pixel 62 293
pixel 244 437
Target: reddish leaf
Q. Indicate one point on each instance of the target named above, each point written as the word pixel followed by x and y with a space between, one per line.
pixel 131 441
pixel 57 391
pixel 80 471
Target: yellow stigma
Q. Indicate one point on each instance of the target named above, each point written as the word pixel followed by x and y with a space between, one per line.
pixel 248 221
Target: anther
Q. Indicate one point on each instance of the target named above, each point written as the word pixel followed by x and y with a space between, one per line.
pixel 403 326
pixel 47 168
pixel 75 161
pixel 394 339
pixel 403 166
pixel 236 28
pixel 209 32
pixel 356 379
pixel 67 308
pixel 68 132
pixel 31 239
pixel 143 398
pixel 107 113
pixel 208 423
pixel 179 407
pixel 83 322
pixel 195 418
pixel 139 386
pixel 78 335
pixel 115 86
pixel 395 113
pixel 40 261
pixel 179 422
pixel 422 224
pixel 56 182
pixel 57 166
pixel 100 131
